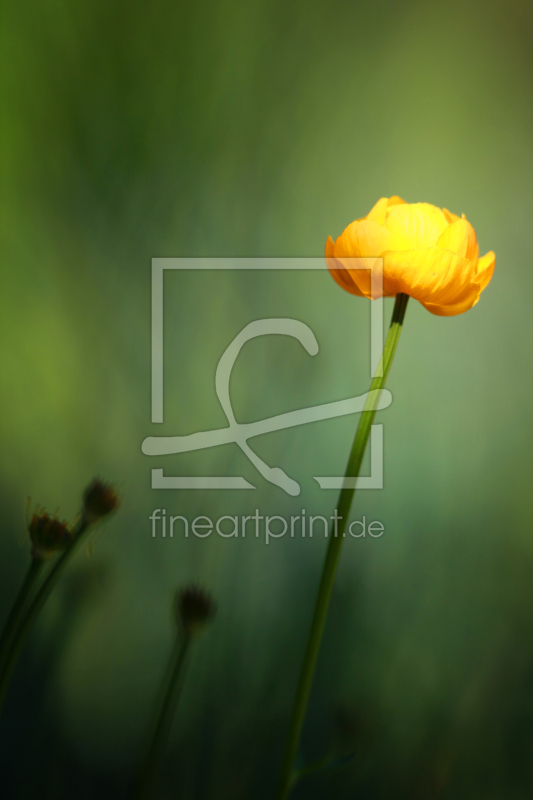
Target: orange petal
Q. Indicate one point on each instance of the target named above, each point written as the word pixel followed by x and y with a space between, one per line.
pixel 452 310
pixel 449 216
pixel 431 275
pixel 460 238
pixel 395 201
pixel 379 212
pixel 367 274
pixel 339 272
pixel 420 224
pixel 367 238
pixel 485 268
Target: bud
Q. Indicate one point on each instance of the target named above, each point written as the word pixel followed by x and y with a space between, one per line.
pixel 48 535
pixel 193 608
pixel 99 500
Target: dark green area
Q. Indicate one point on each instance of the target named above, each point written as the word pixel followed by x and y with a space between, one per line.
pixel 133 130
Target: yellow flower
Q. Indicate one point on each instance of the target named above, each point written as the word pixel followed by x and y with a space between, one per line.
pixel 428 253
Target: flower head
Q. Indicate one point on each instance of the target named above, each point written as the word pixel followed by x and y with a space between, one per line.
pixel 99 500
pixel 428 253
pixel 193 608
pixel 48 535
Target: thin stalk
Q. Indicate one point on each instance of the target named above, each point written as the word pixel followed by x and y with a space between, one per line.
pixel 287 776
pixel 34 610
pixel 32 575
pixel 164 719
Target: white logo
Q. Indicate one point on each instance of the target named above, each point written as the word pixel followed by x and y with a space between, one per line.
pixel 240 434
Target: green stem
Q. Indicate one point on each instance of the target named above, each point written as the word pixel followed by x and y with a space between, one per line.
pixel 334 548
pixel 35 608
pixel 19 605
pixel 164 719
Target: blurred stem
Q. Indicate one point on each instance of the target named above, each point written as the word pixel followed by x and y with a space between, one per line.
pixel 287 776
pixel 15 614
pixel 19 636
pixel 164 719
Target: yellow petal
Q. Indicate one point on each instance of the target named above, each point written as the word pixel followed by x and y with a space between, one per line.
pixel 428 253
pixel 420 224
pixel 367 274
pixel 339 272
pixel 395 201
pixel 460 238
pixel 379 212
pixel 431 275
pixel 452 310
pixel 367 238
pixel 449 216
pixel 485 268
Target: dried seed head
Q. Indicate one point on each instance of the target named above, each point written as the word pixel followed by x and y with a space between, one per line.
pixel 194 608
pixel 49 535
pixel 99 500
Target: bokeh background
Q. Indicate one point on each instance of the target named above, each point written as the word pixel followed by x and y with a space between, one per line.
pixel 133 130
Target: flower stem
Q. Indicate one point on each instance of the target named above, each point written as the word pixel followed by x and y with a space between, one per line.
pixel 164 719
pixel 18 607
pixel 287 776
pixel 19 636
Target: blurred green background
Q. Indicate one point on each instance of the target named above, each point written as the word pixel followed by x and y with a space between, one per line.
pixel 133 130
